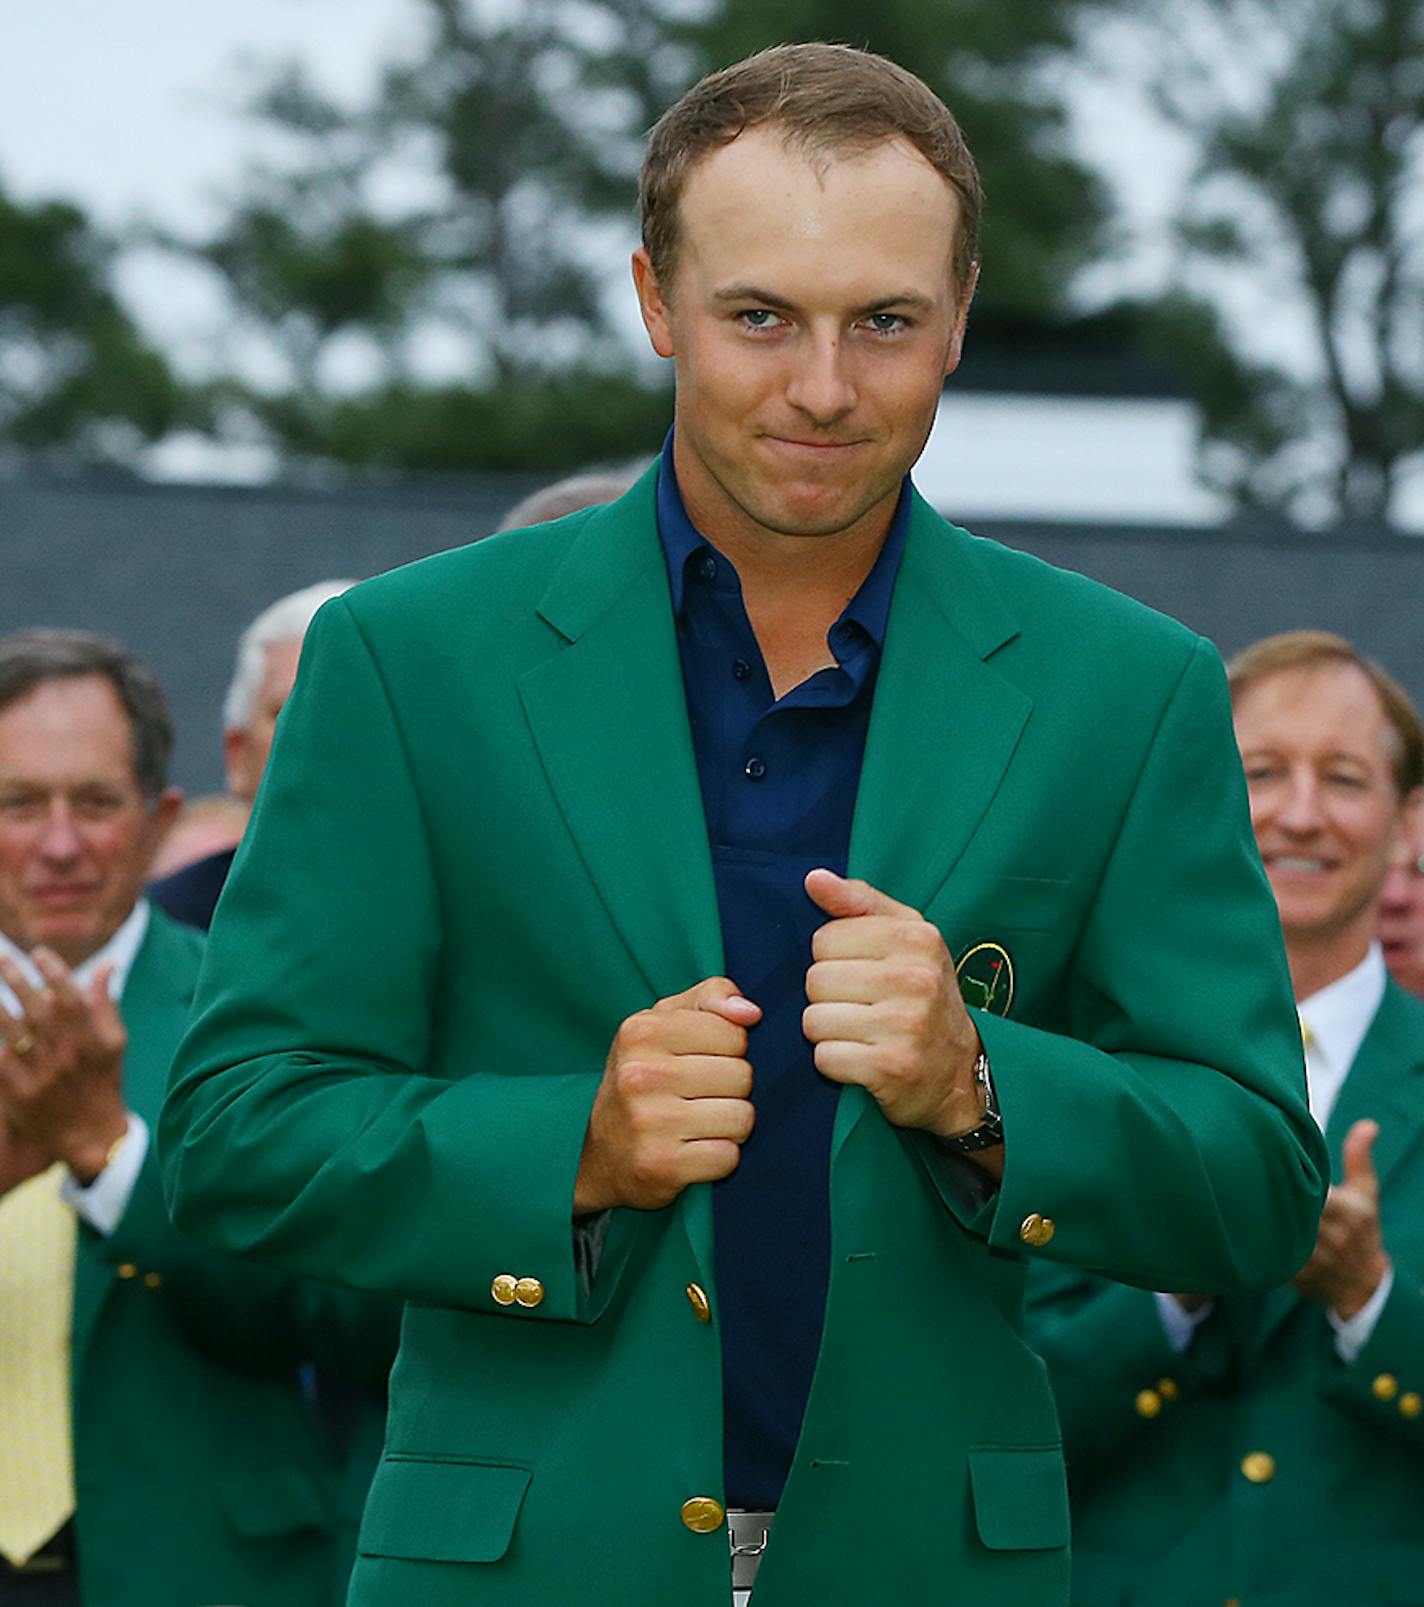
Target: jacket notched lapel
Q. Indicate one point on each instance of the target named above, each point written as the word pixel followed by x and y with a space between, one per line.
pixel 609 718
pixel 944 727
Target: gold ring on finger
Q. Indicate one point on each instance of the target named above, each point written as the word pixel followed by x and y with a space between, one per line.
pixel 23 1045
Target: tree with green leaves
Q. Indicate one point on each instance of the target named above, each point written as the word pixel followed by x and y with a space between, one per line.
pixel 79 382
pixel 1308 116
pixel 517 131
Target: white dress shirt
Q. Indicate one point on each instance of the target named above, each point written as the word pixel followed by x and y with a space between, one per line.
pixel 1334 1021
pixel 103 1202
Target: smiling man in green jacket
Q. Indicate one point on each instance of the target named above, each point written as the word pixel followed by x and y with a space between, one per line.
pixel 541 997
pixel 1269 1449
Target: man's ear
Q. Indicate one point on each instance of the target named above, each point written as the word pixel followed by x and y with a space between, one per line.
pixel 657 316
pixel 163 816
pixel 237 761
pixel 961 318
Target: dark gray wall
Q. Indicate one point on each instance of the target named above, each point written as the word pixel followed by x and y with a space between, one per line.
pixel 176 572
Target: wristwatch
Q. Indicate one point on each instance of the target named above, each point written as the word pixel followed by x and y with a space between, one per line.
pixel 990 1130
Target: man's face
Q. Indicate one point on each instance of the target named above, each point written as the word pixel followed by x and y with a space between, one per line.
pixel 246 750
pixel 812 319
pixel 1317 747
pixel 1401 925
pixel 76 835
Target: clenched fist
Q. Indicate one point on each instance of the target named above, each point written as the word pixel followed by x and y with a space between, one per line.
pixel 674 1106
pixel 885 1009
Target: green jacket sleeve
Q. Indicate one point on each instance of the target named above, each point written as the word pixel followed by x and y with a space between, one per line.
pixel 1164 1135
pixel 1115 1375
pixel 302 1124
pixel 251 1317
pixel 1384 1385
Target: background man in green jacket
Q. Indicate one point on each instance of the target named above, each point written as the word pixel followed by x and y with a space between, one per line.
pixel 540 995
pixel 156 1448
pixel 1270 1449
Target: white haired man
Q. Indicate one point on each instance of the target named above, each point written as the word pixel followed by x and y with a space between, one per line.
pixel 267 656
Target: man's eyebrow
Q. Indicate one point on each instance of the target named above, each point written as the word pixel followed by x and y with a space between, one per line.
pixel 754 295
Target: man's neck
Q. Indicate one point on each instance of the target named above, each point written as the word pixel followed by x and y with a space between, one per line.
pixel 1315 964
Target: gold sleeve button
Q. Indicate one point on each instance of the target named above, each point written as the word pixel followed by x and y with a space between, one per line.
pixel 528 1292
pixel 1148 1403
pixel 127 1269
pixel 702 1514
pixel 697 1299
pixel 1036 1230
pixel 1259 1467
pixel 153 1280
pixel 503 1288
pixel 1410 1404
pixel 1385 1387
pixel 1167 1389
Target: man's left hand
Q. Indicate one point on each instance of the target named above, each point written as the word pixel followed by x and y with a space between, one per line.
pixel 885 1008
pixel 1349 1258
pixel 61 1065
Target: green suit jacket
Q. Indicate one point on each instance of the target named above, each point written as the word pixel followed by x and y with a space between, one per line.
pixel 1167 1453
pixel 201 1474
pixel 481 845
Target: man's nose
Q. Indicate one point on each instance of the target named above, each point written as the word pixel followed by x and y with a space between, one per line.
pixel 821 386
pixel 1300 809
pixel 60 839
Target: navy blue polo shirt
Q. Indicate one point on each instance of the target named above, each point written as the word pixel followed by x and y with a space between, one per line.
pixel 779 781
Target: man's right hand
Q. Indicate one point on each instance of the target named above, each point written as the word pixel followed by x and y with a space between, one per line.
pixel 674 1105
pixel 20 1158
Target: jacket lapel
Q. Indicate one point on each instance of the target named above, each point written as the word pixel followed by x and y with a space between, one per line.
pixel 944 727
pixel 153 1007
pixel 609 717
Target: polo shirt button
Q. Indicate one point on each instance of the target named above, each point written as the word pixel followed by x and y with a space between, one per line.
pixel 741 669
pixel 755 769
pixel 844 631
pixel 702 1514
pixel 707 567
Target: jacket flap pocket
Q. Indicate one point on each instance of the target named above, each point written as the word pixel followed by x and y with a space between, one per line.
pixel 430 1510
pixel 282 1500
pixel 1020 1497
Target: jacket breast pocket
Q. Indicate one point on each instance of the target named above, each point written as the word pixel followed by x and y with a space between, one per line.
pixel 435 1509
pixel 967 904
pixel 1020 1495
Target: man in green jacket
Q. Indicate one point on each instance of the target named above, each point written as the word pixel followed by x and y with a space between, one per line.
pixel 591 976
pixel 156 1448
pixel 1270 1449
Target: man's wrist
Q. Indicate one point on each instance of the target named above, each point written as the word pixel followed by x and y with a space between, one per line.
pixel 986 1129
pixel 92 1154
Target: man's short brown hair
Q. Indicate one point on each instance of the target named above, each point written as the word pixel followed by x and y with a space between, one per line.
pixel 825 100
pixel 1303 650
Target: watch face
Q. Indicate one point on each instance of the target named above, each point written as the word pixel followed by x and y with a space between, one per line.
pixel 986 978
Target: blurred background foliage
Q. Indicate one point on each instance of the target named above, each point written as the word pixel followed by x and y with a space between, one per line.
pixel 436 276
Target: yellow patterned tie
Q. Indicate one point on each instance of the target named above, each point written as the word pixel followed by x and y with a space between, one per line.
pixel 37 1234
pixel 1307 1037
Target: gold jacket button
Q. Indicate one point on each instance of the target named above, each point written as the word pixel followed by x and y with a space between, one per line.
pixel 1259 1467
pixel 127 1270
pixel 502 1289
pixel 1167 1388
pixel 153 1280
pixel 702 1514
pixel 529 1292
pixel 1385 1387
pixel 697 1299
pixel 1036 1230
pixel 1148 1403
pixel 1410 1404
